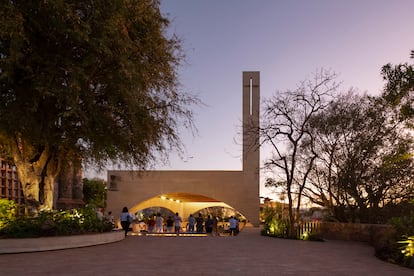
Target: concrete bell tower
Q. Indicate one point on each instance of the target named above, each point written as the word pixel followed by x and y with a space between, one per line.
pixel 251 106
pixel 251 150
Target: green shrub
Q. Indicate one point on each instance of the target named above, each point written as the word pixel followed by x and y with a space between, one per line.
pixel 278 228
pixel 407 250
pixel 312 237
pixel 57 223
pixel 392 250
pixel 8 211
pixel 408 247
pixel 404 225
pixel 274 225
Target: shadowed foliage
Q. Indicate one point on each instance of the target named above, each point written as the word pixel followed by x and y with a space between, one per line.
pixel 91 80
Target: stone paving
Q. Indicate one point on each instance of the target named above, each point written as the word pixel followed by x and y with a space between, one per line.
pixel 245 254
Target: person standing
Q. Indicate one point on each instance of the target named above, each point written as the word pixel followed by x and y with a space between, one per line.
pixel 177 223
pixel 215 226
pixel 170 224
pixel 191 223
pixel 233 226
pixel 126 219
pixel 209 225
pixel 111 219
pixel 199 223
pixel 99 213
pixel 151 224
pixel 159 222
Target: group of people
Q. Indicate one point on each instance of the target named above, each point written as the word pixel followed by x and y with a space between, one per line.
pixel 198 224
pixel 174 223
pixel 154 224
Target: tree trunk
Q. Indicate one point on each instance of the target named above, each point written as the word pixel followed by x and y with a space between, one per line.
pixel 38 189
pixel 292 228
pixel 37 169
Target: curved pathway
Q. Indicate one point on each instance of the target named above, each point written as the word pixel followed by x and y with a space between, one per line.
pixel 246 254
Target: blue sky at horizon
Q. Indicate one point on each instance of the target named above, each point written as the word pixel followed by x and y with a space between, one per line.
pixel 286 41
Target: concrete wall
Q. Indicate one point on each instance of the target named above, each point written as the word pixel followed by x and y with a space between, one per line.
pixel 228 188
pixel 354 231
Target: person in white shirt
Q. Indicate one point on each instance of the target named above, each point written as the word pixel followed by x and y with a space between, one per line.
pixel 177 223
pixel 126 219
pixel 111 219
pixel 99 213
pixel 159 221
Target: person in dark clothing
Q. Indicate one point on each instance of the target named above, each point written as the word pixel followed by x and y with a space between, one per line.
pixel 199 223
pixel 170 224
pixel 209 225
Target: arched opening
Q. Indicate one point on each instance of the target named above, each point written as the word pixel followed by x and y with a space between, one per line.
pixel 151 212
pixel 186 204
pixel 223 215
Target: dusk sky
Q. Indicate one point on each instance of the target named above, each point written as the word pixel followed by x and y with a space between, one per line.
pixel 286 41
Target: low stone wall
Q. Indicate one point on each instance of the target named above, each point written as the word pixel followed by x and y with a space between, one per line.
pixel 354 231
pixel 55 243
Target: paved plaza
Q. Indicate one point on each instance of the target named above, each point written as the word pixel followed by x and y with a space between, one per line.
pixel 246 254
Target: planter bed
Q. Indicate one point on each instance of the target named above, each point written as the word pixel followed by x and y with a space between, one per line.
pixel 56 243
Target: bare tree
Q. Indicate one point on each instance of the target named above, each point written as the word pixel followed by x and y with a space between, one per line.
pixel 286 128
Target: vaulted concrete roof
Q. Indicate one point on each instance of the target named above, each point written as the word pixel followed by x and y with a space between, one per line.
pixel 188 197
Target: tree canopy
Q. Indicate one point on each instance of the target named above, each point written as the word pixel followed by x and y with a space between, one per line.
pixel 95 80
pixel 399 87
pixel 351 154
pixel 94 192
pixel 364 158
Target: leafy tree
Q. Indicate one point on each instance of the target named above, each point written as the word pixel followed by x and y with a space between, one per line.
pixel 286 128
pixel 331 146
pixel 94 192
pixel 399 87
pixel 364 160
pixel 95 80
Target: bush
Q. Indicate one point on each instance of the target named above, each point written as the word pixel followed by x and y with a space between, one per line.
pixel 8 211
pixel 312 237
pixel 408 246
pixel 57 223
pixel 278 228
pixel 399 245
pixel 407 249
pixel 274 225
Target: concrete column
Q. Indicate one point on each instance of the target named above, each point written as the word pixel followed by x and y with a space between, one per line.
pixel 251 150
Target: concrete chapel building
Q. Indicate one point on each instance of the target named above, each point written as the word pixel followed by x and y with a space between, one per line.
pixel 187 192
